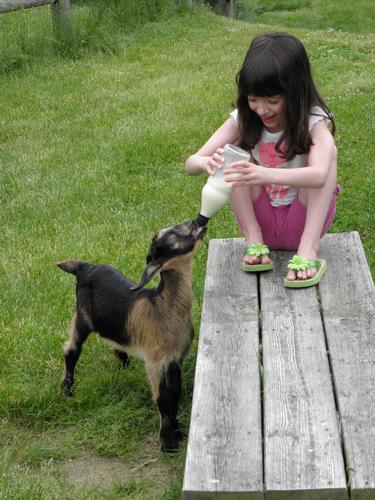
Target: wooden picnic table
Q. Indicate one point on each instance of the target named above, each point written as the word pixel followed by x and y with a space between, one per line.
pixel 284 392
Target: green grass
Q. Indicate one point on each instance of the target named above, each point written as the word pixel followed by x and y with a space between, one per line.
pixel 356 17
pixel 97 27
pixel 91 163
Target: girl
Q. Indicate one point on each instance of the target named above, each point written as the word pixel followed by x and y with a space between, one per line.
pixel 286 196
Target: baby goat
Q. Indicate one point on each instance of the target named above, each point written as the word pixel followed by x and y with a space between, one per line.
pixel 154 324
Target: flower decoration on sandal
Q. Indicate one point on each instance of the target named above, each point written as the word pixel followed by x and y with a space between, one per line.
pixel 298 263
pixel 258 250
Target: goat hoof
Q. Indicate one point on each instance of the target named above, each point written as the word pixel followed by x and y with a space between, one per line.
pixel 122 357
pixel 171 443
pixel 67 388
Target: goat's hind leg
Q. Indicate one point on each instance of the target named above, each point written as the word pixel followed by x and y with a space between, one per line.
pixel 122 357
pixel 167 396
pixel 79 332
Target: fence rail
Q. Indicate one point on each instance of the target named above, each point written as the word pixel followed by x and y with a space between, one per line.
pixel 10 5
pixel 60 10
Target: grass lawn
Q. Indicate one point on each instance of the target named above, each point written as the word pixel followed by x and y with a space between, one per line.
pixel 356 17
pixel 91 165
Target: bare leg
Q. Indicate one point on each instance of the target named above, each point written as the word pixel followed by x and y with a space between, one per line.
pixel 317 202
pixel 242 204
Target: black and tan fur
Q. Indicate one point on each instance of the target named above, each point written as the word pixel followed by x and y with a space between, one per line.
pixel 154 324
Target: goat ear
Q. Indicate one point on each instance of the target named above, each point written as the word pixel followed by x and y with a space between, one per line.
pixel 151 270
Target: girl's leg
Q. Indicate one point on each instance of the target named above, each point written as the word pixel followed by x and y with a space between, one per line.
pixel 317 202
pixel 242 204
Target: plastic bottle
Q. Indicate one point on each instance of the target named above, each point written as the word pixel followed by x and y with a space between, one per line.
pixel 216 192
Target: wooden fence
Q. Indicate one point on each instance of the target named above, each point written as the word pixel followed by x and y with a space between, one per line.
pixel 227 7
pixel 61 17
pixel 60 10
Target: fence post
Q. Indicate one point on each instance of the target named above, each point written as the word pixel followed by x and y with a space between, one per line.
pixel 61 17
pixel 227 7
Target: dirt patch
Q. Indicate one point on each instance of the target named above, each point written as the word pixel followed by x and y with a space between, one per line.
pixel 88 470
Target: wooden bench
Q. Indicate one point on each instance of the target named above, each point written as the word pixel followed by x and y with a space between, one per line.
pixel 284 393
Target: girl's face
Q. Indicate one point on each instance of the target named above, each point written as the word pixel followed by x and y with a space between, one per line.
pixel 270 110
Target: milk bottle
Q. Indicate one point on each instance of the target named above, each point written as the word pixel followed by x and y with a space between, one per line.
pixel 216 192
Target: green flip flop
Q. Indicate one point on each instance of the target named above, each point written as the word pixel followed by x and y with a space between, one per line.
pixel 256 250
pixel 299 263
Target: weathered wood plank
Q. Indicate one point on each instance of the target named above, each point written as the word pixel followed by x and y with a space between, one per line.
pixel 302 447
pixel 224 455
pixel 11 5
pixel 303 457
pixel 348 304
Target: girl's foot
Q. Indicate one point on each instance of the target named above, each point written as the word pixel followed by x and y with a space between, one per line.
pixel 309 273
pixel 256 258
pixel 256 253
pixel 298 264
pixel 253 259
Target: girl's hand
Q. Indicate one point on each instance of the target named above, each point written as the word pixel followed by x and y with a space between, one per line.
pixel 250 174
pixel 215 161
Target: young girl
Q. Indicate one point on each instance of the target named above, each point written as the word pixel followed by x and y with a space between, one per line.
pixel 285 198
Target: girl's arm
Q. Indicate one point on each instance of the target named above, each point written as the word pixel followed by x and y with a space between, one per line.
pixel 314 175
pixel 208 158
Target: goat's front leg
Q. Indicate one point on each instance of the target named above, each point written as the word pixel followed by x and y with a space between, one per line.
pixel 166 392
pixel 79 332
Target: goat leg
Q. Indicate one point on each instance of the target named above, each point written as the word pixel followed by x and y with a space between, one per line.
pixel 169 395
pixel 78 334
pixel 122 357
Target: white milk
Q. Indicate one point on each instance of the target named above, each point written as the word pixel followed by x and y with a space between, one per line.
pixel 216 192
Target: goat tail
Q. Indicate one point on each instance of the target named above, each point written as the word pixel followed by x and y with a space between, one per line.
pixel 73 266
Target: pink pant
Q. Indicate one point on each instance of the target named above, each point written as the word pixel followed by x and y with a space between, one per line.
pixel 282 227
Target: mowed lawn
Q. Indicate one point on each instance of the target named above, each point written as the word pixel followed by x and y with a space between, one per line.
pixel 92 156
